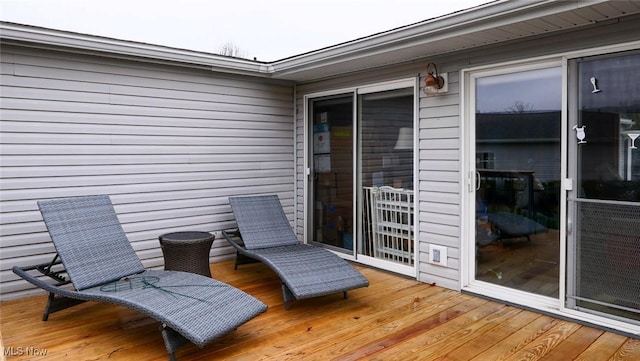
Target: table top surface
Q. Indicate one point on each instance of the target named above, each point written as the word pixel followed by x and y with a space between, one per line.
pixel 186 236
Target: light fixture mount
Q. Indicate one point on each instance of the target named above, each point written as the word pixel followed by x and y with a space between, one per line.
pixel 433 82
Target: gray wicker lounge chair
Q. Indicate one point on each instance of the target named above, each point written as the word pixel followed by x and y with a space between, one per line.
pixel 306 271
pixel 102 266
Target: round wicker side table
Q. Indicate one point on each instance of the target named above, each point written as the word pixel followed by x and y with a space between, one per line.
pixel 187 251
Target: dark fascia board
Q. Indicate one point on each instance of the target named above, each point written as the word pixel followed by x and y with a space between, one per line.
pixel 330 61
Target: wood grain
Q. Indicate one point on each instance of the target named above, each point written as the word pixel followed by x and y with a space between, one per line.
pixel 395 318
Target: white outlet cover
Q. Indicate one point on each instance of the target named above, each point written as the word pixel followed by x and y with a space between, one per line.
pixel 438 255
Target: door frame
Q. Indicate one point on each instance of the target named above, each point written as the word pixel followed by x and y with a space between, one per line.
pixel 554 307
pixel 357 90
pixel 468 282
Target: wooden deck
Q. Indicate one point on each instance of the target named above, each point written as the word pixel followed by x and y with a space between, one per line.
pixel 394 319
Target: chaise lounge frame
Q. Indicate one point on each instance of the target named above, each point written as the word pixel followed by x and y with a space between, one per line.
pixel 265 234
pixel 98 260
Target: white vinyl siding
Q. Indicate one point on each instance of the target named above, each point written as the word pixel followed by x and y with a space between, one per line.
pixel 168 144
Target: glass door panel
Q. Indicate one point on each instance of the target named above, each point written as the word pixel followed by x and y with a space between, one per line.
pixel 518 163
pixel 386 174
pixel 332 169
pixel 604 250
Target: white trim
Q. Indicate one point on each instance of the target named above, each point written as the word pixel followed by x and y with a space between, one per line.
pixel 548 305
pixel 387 85
pixel 467 270
pixel 468 174
pixel 368 88
pixel 387 266
pixel 90 44
pixel 377 50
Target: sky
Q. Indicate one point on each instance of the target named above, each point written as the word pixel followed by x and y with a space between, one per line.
pixel 267 30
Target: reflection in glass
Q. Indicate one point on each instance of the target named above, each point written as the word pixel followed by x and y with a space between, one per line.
pixel 609 164
pixel 386 175
pixel 604 271
pixel 333 172
pixel 518 119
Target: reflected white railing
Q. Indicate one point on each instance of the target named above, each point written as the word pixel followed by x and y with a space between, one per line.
pixel 388 224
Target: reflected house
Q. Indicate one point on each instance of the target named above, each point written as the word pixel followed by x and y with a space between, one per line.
pixel 528 145
pixel 491 190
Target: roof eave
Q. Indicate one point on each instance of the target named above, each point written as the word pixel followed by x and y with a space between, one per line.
pixel 88 44
pixel 421 35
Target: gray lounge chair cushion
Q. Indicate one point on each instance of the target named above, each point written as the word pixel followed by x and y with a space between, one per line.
pixel 199 308
pixel 262 222
pixel 310 271
pixel 306 270
pixel 90 240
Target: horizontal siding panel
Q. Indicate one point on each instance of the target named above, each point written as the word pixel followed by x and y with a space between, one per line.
pixel 441 218
pixel 78 68
pixel 439 187
pixel 165 178
pixel 133 150
pixel 440 144
pixel 153 169
pixel 436 228
pixel 442 176
pixel 437 112
pixel 441 122
pixel 439 197
pixel 428 207
pixel 72 160
pixel 144 108
pixel 440 154
pixel 439 165
pixel 443 272
pixel 439 133
pixel 223 138
pixel 451 241
pixel 168 144
pixel 40 193
pixel 179 121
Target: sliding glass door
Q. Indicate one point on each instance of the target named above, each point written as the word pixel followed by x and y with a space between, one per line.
pixel 332 125
pixel 604 207
pixel 361 190
pixel 517 179
pixel 386 176
pixel 554 176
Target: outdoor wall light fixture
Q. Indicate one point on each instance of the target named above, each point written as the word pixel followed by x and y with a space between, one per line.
pixel 434 83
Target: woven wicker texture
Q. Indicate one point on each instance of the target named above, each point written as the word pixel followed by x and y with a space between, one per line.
pixel 199 308
pixel 187 251
pixel 310 271
pixel 90 240
pixel 264 223
pixel 95 250
pixel 306 270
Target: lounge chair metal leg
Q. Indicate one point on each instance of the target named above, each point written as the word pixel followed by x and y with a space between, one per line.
pixel 172 340
pixel 287 295
pixel 57 303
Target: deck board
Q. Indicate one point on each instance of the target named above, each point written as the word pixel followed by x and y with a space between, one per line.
pixel 395 318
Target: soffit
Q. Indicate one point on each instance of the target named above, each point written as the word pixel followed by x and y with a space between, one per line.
pixel 489 24
pixel 492 23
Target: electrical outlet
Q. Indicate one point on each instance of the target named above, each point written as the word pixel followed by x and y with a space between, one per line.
pixel 438 255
